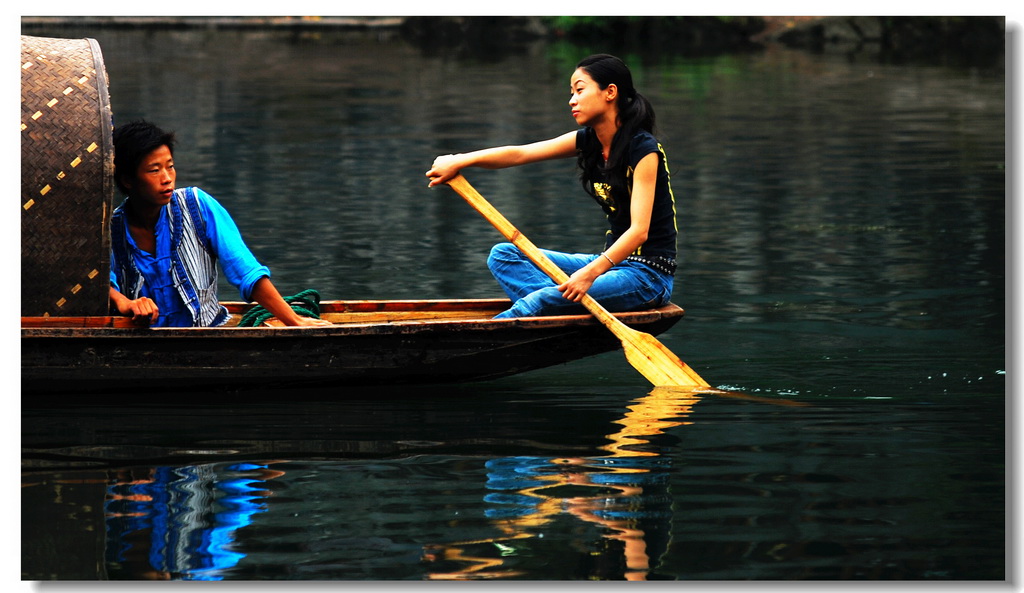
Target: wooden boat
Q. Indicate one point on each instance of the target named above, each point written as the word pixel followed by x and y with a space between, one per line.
pixel 372 342
pixel 68 344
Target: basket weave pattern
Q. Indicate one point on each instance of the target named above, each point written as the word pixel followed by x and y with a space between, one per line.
pixel 66 178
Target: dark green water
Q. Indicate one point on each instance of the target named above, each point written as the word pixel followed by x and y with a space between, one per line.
pixel 843 242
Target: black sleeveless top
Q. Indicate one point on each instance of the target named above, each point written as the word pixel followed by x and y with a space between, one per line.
pixel 660 247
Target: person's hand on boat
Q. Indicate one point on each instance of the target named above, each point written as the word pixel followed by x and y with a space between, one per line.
pixel 312 322
pixel 140 310
pixel 266 294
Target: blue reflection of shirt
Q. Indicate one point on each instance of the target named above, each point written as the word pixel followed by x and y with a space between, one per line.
pixel 192 517
pixel 510 475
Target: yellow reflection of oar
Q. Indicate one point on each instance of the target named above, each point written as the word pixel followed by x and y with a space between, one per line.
pixel 661 409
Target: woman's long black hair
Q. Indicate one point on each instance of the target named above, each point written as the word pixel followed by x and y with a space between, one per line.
pixel 635 114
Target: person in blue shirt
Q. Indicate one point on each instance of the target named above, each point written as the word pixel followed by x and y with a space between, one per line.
pixel 166 243
pixel 624 169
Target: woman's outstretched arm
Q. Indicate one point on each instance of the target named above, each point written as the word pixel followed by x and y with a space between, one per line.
pixel 448 166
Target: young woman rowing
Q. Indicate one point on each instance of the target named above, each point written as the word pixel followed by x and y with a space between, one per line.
pixel 624 168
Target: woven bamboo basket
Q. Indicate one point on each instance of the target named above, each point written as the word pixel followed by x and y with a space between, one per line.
pixel 67 188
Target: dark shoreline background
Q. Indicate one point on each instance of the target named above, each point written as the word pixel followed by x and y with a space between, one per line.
pixel 976 40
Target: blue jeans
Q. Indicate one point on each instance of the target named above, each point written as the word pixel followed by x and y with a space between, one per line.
pixel 628 286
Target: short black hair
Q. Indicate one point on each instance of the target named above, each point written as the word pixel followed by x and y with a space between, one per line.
pixel 132 142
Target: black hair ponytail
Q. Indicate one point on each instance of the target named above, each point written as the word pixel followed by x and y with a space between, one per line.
pixel 635 114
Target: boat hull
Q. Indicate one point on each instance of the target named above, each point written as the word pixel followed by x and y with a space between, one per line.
pixel 371 343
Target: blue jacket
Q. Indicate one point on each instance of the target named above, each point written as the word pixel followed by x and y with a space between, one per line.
pixel 193 233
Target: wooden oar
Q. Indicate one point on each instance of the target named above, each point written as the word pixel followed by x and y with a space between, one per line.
pixel 647 355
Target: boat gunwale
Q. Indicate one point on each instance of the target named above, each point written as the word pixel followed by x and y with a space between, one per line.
pixel 118 327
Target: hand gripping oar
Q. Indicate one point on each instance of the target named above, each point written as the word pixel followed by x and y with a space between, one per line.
pixel 647 355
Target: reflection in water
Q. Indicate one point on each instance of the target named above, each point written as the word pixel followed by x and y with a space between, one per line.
pixel 623 493
pixel 179 523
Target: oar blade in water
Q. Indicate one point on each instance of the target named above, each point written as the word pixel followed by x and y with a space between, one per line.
pixel 657 363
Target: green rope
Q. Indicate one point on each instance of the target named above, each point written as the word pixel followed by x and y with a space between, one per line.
pixel 306 303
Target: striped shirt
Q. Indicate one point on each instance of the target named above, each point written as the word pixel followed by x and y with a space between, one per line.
pixel 193 233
